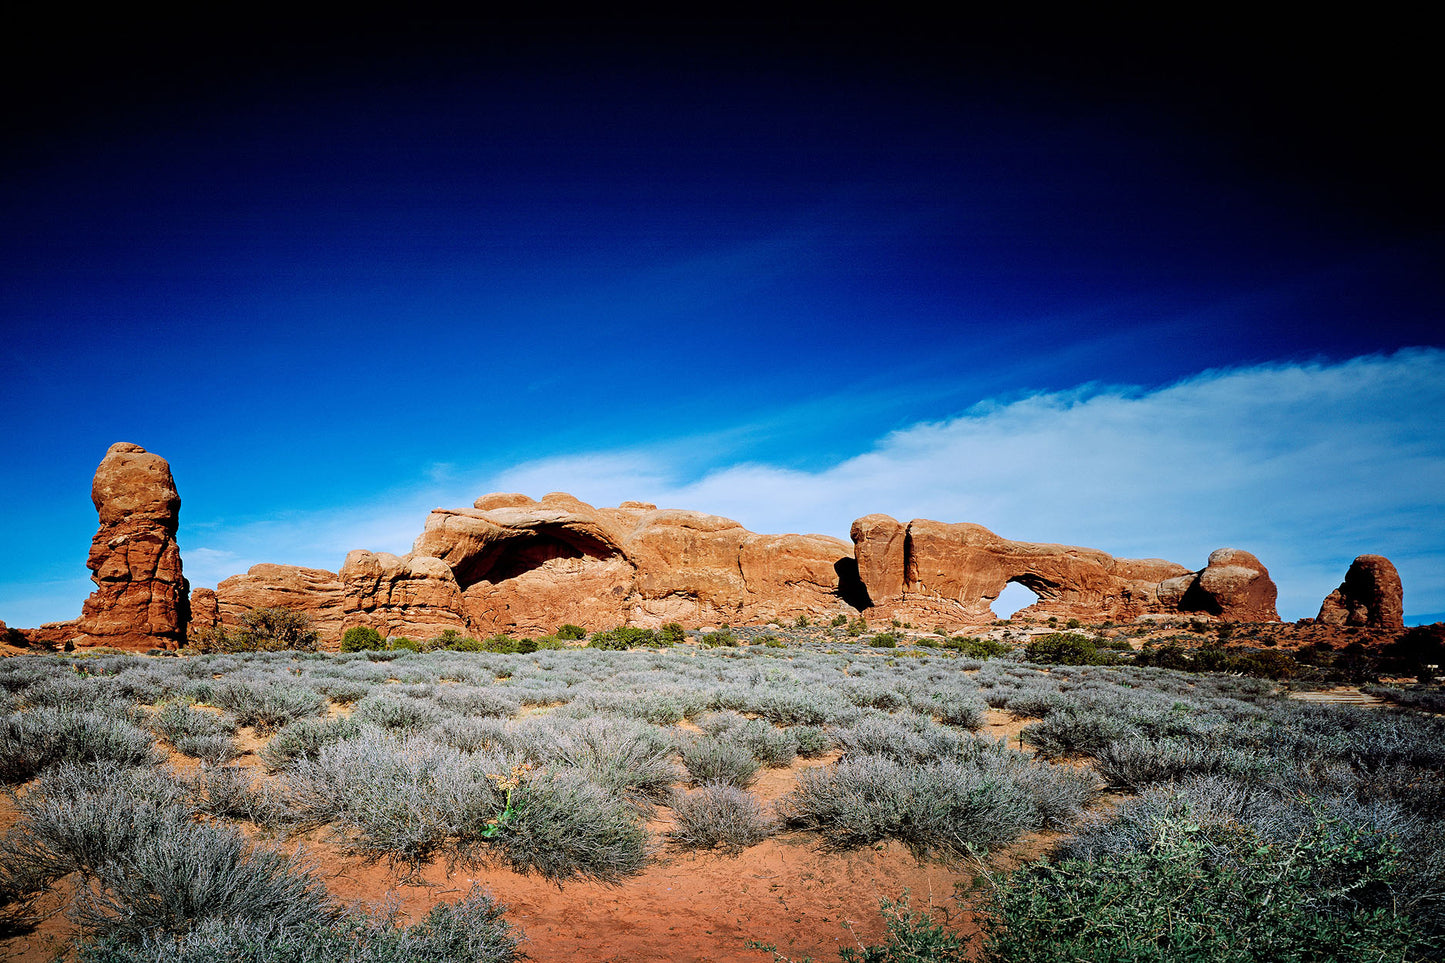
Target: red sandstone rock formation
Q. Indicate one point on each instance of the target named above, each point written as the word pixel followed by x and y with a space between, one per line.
pixel 140 599
pixel 1234 586
pixel 314 591
pixel 411 595
pixel 512 564
pixel 529 566
pixel 933 571
pixel 1370 595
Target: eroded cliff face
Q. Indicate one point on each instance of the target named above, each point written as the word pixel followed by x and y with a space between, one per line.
pixel 531 565
pixel 926 570
pixel 140 598
pixel 514 564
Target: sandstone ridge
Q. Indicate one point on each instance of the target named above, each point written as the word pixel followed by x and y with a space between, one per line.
pixel 927 571
pixel 514 564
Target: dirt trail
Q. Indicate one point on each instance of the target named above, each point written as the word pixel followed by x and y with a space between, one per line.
pixel 1341 695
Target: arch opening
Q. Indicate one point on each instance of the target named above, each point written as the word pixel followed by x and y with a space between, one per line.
pixel 525 553
pixel 1015 596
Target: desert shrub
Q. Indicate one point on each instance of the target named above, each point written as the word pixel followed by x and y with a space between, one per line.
pixel 672 633
pixel 342 692
pixel 1066 648
pixel 214 749
pixel 478 701
pixel 272 629
pixel 145 864
pixel 360 638
pixel 33 740
pixel 906 738
pixel 399 643
pixel 472 735
pixel 1319 897
pixel 1081 732
pixel 774 748
pixel 874 694
pixel 78 817
pixel 811 741
pixel 304 739
pixel 712 759
pixel 183 873
pixel 179 720
pixel 623 637
pixel 719 814
pixel 402 800
pixel 977 647
pixel 571 633
pixel 626 757
pixel 720 638
pixel 396 712
pixel 473 930
pixel 1034 703
pixel 956 709
pixel 268 704
pixel 67 692
pixel 797 706
pixel 1135 762
pixel 22 883
pixel 951 806
pixel 227 791
pixel 567 826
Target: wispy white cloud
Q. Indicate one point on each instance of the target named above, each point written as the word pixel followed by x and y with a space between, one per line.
pixel 1305 464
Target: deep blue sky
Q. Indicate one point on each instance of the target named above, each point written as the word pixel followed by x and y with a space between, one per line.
pixel 344 267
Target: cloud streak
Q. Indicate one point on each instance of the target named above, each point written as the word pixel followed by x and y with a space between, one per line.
pixel 1306 464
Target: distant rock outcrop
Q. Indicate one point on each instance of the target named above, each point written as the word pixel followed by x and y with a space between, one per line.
pixel 931 570
pixel 514 564
pixel 1370 595
pixel 140 596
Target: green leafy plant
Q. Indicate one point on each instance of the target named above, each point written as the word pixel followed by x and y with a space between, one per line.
pixel 275 628
pixel 1222 895
pixel 360 638
pixel 508 784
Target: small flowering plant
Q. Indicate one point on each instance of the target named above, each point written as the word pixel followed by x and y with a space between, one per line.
pixel 509 783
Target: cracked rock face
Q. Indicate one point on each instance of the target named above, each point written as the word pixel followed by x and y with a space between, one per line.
pixel 1370 595
pixel 140 596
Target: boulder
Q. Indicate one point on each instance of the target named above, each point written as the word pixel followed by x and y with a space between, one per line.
pixel 1236 587
pixel 140 599
pixel 1370 595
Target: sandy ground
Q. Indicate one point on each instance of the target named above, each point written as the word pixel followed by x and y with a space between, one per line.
pixel 684 907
